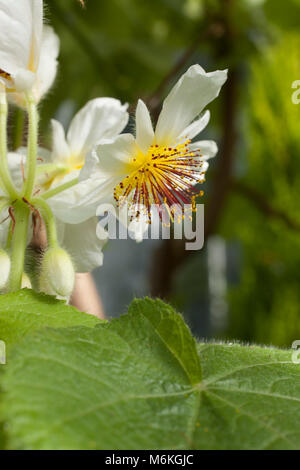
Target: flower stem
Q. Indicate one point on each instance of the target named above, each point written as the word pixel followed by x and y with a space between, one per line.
pixel 19 243
pixel 49 221
pixel 33 122
pixel 50 168
pixel 5 178
pixel 18 129
pixel 60 189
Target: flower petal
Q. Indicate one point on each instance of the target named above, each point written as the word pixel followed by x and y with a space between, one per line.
pixel 207 148
pixel 4 227
pixel 20 37
pixel 84 246
pixel 102 118
pixel 60 147
pixel 114 155
pixel 144 128
pixel 23 80
pixel 103 171
pixel 69 206
pixel 194 90
pixel 196 127
pixel 37 32
pixel 47 68
pixel 17 160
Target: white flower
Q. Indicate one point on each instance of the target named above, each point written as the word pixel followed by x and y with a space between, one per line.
pixel 161 166
pixel 101 119
pixel 80 239
pixel 28 50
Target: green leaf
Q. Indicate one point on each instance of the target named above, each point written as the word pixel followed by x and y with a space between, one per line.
pixel 25 311
pixel 172 331
pixel 136 383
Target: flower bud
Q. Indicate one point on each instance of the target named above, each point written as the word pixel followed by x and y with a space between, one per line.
pixel 26 282
pixel 4 268
pixel 57 273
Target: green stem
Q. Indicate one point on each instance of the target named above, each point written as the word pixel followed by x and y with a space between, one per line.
pixel 18 129
pixel 5 178
pixel 49 221
pixel 31 163
pixel 50 168
pixel 9 237
pixel 19 243
pixel 60 189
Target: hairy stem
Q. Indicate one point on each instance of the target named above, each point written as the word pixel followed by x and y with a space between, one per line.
pixel 60 189
pixel 17 137
pixel 33 121
pixel 50 168
pixel 49 221
pixel 19 243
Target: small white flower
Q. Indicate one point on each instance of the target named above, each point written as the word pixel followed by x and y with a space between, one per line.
pixel 162 166
pixel 79 239
pixel 28 50
pixel 101 119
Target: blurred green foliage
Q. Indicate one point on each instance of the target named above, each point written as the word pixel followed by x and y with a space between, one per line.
pixel 269 294
pixel 126 48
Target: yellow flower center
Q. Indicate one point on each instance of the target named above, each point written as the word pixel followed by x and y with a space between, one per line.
pixel 164 176
pixel 74 163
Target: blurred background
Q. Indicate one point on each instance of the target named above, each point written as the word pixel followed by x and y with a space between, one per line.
pixel 245 283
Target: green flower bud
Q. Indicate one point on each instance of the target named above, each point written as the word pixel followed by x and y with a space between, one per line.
pixel 57 273
pixel 4 268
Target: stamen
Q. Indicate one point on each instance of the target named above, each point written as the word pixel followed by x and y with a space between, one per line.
pixel 5 75
pixel 166 177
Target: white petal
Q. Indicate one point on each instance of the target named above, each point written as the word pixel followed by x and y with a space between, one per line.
pixel 17 160
pixel 82 243
pixel 102 118
pixel 23 80
pixel 47 68
pixel 90 166
pixel 144 128
pixel 17 164
pixel 108 167
pixel 196 127
pixel 20 38
pixel 138 228
pixel 194 90
pixel 207 148
pixel 4 228
pixel 115 155
pixel 60 148
pixel 37 30
pixel 73 205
